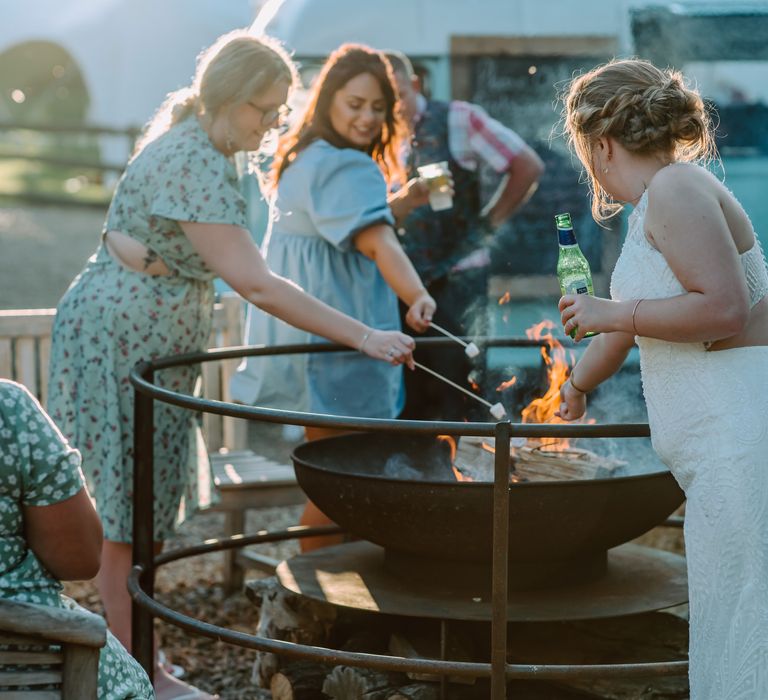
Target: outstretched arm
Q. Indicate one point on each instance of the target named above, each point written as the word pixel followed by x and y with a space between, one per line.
pixel 380 244
pixel 604 356
pixel 229 251
pixel 687 226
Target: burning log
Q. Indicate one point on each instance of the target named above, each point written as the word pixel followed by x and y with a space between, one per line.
pixel 532 462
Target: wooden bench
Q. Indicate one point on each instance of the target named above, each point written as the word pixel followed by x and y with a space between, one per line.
pixel 53 648
pixel 245 479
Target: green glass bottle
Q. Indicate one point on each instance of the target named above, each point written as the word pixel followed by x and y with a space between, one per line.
pixel 573 270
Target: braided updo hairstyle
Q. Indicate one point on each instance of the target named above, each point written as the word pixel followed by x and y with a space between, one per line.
pixel 649 111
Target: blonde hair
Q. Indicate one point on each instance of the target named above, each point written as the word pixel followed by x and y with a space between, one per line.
pixel 647 110
pixel 235 67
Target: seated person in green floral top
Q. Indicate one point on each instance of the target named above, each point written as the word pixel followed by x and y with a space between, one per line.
pixel 49 529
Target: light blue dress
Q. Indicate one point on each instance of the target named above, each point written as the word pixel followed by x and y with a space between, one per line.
pixel 323 199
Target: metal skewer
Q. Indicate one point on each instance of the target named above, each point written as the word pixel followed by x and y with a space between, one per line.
pixel 496 409
pixel 471 349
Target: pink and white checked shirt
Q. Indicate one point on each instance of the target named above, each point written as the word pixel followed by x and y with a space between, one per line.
pixel 474 137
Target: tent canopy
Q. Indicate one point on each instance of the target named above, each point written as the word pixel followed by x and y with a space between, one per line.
pixel 131 52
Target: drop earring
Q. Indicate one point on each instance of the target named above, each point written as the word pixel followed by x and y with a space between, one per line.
pixel 229 144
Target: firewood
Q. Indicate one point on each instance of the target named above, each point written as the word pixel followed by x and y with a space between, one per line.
pixel 285 616
pixel 423 647
pixel 299 681
pixel 532 462
pixel 627 639
pixel 416 691
pixel 351 683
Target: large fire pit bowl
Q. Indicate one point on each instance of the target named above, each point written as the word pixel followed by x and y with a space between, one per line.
pixel 563 521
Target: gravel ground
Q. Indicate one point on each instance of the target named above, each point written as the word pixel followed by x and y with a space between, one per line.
pixel 193 587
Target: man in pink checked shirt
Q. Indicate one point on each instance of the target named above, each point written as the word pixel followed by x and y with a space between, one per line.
pixel 447 247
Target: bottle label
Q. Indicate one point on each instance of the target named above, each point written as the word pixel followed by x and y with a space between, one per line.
pixel 575 285
pixel 566 236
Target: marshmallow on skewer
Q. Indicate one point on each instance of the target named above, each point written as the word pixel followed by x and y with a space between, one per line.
pixel 470 349
pixel 498 411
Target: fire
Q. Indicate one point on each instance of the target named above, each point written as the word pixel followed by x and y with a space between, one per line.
pixel 542 409
pixel 452 444
pixel 459 476
pixel 448 440
pixel 504 299
pixel 506 385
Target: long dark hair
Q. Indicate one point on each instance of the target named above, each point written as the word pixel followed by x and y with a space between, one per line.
pixel 344 64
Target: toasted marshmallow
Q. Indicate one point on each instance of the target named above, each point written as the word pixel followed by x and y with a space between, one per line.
pixel 471 350
pixel 498 411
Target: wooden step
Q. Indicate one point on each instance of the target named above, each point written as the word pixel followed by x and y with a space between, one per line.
pixel 248 480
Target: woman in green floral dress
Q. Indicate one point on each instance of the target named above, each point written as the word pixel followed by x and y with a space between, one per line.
pixel 42 493
pixel 176 221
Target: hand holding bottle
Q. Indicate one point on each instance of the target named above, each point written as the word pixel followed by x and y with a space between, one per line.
pixel 573 271
pixel 583 315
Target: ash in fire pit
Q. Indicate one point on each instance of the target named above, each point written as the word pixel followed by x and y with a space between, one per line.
pixel 434 464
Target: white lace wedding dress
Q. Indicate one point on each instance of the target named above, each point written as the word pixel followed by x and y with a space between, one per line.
pixel 708 413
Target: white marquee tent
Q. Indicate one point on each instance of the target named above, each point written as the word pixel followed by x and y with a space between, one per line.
pixel 131 52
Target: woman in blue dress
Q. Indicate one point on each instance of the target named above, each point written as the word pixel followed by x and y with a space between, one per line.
pixel 331 232
pixel 177 220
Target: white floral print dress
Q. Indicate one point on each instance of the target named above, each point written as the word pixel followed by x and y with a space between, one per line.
pixel 39 468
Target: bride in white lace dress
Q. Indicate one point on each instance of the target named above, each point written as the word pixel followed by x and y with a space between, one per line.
pixel 690 287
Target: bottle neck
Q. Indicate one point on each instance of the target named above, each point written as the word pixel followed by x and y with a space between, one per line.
pixel 566 237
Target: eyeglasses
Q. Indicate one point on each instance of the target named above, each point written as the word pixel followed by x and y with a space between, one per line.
pixel 268 118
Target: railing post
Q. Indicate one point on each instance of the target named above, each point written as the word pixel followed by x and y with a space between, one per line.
pixel 500 563
pixel 143 520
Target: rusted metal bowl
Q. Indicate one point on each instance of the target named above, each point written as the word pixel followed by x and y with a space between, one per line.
pixel 557 524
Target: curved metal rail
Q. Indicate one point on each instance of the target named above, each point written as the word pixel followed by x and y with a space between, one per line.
pixel 141 580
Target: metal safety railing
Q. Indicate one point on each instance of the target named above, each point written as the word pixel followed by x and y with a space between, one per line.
pixel 141 580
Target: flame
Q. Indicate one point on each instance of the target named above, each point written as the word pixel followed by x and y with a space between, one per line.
pixel 506 385
pixel 542 409
pixel 504 298
pixel 459 476
pixel 451 443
